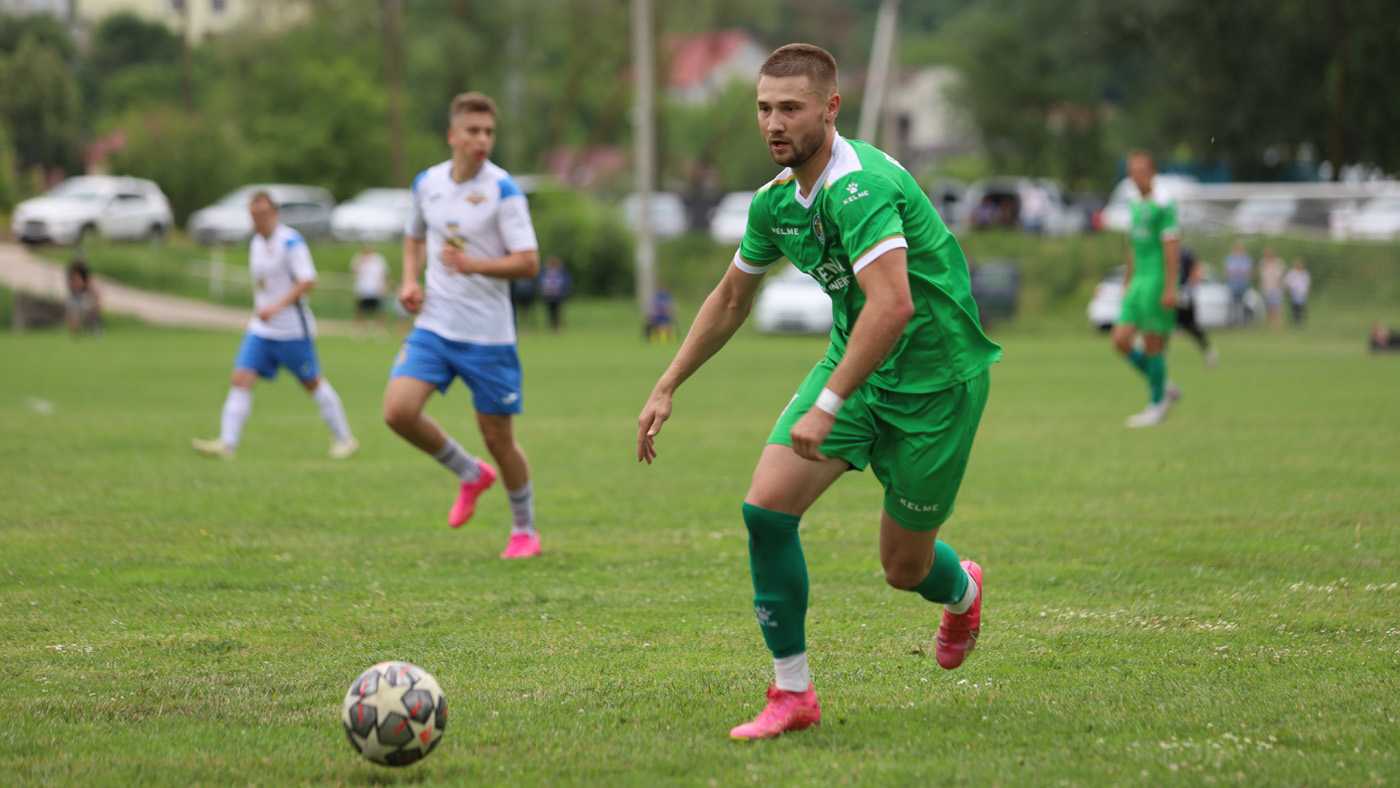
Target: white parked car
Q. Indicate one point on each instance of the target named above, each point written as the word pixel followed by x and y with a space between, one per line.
pixel 306 209
pixel 668 218
pixel 1264 215
pixel 1210 298
pixel 372 215
pixel 114 207
pixel 792 302
pixel 731 218
pixel 1377 220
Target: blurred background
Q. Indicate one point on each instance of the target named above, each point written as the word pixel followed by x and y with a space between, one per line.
pixel 1273 124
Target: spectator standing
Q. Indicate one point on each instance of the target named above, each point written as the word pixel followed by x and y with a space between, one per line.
pixel 661 317
pixel 371 274
pixel 555 285
pixel 1271 271
pixel 1239 272
pixel 1298 283
pixel 523 293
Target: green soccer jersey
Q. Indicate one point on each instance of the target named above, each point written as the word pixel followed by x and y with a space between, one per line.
pixel 864 205
pixel 1153 222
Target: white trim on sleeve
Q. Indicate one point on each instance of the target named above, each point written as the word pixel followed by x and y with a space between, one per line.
pixel 878 249
pixel 746 267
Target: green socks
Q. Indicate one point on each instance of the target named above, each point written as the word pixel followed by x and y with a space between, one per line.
pixel 1157 377
pixel 1155 369
pixel 779 579
pixel 947 581
pixel 1139 360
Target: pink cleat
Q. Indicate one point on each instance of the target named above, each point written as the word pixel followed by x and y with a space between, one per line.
pixel 522 545
pixel 957 634
pixel 465 506
pixel 786 711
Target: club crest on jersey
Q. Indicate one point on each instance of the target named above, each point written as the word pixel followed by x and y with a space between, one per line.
pixel 476 198
pixel 817 228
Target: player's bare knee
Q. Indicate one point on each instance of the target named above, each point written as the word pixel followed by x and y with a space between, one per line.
pixel 905 575
pixel 242 379
pixel 399 417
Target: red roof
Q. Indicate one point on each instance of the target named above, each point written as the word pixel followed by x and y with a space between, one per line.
pixel 693 58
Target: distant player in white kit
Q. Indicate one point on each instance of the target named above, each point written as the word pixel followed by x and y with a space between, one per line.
pixel 281 333
pixel 471 226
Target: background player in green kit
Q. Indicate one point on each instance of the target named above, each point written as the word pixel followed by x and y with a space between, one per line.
pixel 1149 297
pixel 901 387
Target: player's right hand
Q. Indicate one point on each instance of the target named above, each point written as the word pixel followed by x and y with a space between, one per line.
pixel 654 414
pixel 411 297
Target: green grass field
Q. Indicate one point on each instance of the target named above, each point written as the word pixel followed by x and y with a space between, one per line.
pixel 1215 600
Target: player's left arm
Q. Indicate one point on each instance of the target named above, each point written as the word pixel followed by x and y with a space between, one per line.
pixel 304 279
pixel 1171 255
pixel 872 230
pixel 888 308
pixel 518 232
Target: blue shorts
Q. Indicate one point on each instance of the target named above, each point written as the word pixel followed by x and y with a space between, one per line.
pixel 264 356
pixel 492 372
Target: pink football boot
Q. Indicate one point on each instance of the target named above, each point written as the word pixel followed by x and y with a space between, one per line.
pixel 522 545
pixel 957 634
pixel 786 711
pixel 465 506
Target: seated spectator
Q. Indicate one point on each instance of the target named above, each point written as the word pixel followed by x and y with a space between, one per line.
pixel 83 310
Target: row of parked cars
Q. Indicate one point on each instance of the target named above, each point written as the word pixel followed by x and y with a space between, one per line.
pixel 121 208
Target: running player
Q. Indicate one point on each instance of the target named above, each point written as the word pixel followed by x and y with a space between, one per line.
pixel 1150 290
pixel 471 226
pixel 901 387
pixel 281 334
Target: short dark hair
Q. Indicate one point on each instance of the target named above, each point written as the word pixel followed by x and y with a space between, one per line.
pixel 802 60
pixel 471 101
pixel 262 195
pixel 79 267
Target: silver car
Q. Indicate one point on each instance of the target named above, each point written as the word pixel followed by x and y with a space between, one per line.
pixel 372 215
pixel 306 209
pixel 792 302
pixel 116 208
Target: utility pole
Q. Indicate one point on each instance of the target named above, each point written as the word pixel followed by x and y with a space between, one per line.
pixel 186 67
pixel 644 123
pixel 877 77
pixel 392 13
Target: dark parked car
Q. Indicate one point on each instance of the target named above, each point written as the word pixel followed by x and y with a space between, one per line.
pixel 996 287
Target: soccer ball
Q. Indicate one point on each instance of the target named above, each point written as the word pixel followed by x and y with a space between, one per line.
pixel 394 714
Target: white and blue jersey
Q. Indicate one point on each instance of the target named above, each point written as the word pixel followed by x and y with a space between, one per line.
pixel 466 328
pixel 487 217
pixel 277 264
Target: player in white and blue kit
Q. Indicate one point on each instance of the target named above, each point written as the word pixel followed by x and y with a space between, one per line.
pixel 280 334
pixel 471 227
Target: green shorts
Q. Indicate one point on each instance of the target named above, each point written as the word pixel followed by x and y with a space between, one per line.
pixel 1142 309
pixel 917 444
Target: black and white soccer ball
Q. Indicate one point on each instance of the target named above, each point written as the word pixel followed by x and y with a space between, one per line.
pixel 394 713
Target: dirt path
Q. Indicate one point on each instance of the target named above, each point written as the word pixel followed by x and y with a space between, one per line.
pixel 25 272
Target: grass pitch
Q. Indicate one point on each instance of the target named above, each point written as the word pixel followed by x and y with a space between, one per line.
pixel 1211 601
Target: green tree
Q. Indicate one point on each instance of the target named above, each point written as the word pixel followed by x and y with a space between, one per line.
pixel 39 104
pixel 194 158
pixel 46 29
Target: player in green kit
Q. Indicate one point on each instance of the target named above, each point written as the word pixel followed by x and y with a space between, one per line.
pixel 1149 297
pixel 900 389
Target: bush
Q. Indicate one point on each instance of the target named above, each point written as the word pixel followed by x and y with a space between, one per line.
pixel 9 177
pixel 194 161
pixel 588 236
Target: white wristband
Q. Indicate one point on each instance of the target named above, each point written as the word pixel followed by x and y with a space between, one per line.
pixel 829 401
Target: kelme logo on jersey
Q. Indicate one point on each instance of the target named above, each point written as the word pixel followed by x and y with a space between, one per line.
pixel 853 193
pixel 476 198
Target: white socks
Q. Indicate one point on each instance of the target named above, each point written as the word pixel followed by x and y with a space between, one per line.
pixel 454 458
pixel 237 406
pixel 792 673
pixel 965 604
pixel 522 509
pixel 332 412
